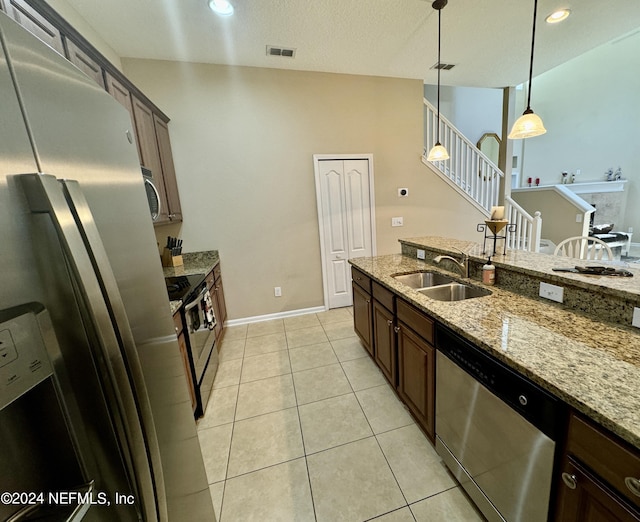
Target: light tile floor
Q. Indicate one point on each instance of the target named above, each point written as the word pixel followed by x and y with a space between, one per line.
pixel 302 426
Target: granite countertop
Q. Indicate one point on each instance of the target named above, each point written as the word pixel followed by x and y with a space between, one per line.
pixel 591 365
pixel 536 264
pixel 194 263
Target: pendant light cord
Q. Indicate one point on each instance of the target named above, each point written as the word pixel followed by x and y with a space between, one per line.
pixel 533 41
pixel 438 66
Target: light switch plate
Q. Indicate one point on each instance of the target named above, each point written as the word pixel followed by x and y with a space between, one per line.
pixel 636 317
pixel 397 222
pixel 552 292
pixel 420 254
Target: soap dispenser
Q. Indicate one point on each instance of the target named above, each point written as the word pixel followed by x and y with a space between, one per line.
pixel 488 273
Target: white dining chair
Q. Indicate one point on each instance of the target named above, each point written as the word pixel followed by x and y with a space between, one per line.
pixel 584 247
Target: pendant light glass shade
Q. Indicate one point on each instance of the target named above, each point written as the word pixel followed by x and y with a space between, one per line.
pixel 438 153
pixel 527 126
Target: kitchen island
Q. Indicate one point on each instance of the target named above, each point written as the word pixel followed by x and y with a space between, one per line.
pixel 593 366
pixel 582 353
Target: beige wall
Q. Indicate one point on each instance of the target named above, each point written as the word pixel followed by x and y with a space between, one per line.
pixel 558 214
pixel 590 109
pixel 243 142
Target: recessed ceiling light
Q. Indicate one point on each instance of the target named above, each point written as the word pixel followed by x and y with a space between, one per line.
pixel 221 7
pixel 558 16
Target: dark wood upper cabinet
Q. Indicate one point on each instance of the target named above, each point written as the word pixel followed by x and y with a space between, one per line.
pixel 149 124
pixel 35 23
pixel 85 63
pixel 168 170
pixel 150 152
pixel 122 95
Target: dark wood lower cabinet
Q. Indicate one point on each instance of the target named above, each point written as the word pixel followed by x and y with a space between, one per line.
pixel 584 498
pixel 416 377
pixel 600 476
pixel 214 284
pixel 384 340
pixel 362 309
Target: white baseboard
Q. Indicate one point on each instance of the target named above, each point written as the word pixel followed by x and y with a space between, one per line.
pixel 270 317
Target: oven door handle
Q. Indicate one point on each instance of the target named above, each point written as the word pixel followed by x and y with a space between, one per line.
pixel 196 301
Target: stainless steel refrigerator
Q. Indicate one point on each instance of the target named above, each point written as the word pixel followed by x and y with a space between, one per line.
pixel 95 415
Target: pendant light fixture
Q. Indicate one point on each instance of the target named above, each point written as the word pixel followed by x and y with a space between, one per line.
pixel 529 124
pixel 438 152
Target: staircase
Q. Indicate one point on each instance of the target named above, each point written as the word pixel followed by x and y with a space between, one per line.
pixel 476 178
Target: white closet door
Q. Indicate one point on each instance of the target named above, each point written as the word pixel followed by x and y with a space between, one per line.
pixel 346 218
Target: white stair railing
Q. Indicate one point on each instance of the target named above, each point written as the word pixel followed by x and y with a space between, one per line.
pixel 468 170
pixel 527 227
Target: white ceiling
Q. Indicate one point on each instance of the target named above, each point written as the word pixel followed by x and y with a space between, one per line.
pixel 488 40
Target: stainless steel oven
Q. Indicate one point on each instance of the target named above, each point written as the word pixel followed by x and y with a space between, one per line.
pixel 495 430
pixel 198 321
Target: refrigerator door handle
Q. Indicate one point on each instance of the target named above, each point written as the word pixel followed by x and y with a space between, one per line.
pixel 78 235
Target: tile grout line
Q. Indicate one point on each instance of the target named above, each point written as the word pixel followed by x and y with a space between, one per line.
pixel 375 436
pixel 233 426
pixel 297 405
pixel 304 448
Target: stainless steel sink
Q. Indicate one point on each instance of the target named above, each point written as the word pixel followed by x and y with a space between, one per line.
pixel 454 292
pixel 423 279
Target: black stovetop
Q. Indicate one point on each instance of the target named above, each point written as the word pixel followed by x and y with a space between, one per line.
pixel 180 287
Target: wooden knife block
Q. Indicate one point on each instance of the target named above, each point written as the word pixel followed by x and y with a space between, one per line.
pixel 168 259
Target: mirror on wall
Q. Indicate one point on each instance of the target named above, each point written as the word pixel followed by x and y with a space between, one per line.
pixel 489 144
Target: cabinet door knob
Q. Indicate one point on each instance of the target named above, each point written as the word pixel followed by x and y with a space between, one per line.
pixel 389 322
pixel 523 400
pixel 396 329
pixel 633 484
pixel 570 480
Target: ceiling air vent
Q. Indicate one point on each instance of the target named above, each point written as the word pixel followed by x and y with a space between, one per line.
pixel 443 66
pixel 272 50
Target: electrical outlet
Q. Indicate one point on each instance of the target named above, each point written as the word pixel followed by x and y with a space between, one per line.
pixel 551 292
pixel 636 317
pixel 420 254
pixel 277 291
pixel 578 218
pixel 397 222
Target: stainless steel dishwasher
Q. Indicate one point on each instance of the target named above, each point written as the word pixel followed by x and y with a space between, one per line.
pixel 495 430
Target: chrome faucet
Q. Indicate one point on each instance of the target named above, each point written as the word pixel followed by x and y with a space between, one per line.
pixel 463 265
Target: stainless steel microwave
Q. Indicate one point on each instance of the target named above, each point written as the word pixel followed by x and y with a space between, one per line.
pixel 153 196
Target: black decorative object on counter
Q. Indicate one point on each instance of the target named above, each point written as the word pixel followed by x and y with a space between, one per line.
pixel 495 226
pixel 180 287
